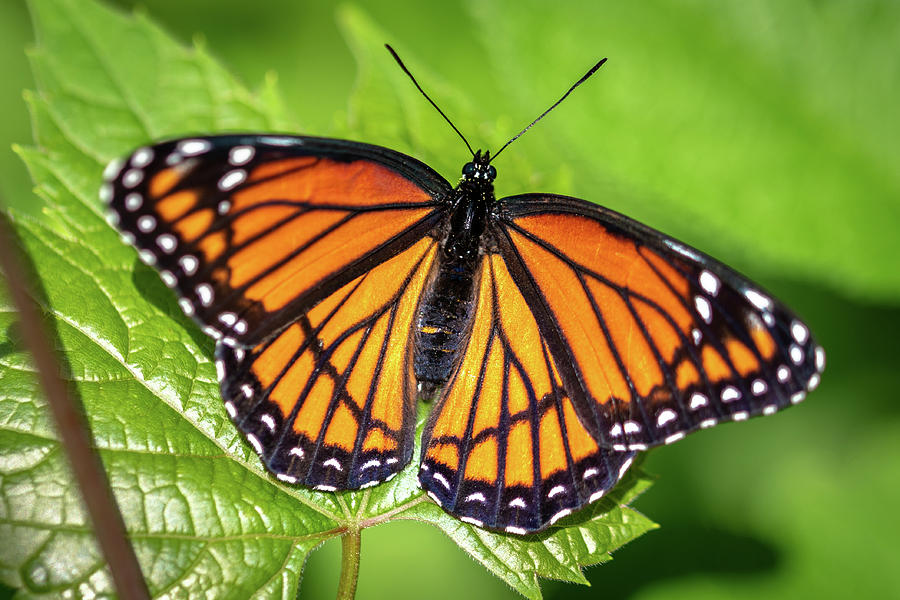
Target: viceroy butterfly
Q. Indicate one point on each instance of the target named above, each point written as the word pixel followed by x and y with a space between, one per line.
pixel 342 281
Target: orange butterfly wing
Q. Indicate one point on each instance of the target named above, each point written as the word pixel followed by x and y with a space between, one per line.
pixel 253 230
pixel 653 339
pixel 503 447
pixel 330 401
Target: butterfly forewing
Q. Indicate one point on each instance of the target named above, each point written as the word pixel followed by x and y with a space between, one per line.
pixel 503 448
pixel 253 230
pixel 654 339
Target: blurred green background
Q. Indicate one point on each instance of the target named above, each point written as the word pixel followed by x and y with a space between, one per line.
pixel 780 109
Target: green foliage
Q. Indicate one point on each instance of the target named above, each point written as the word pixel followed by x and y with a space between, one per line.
pixel 204 517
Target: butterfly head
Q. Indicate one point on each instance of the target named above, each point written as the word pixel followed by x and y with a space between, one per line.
pixel 480 169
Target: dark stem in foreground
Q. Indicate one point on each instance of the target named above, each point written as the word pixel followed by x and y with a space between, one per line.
pixel 70 426
pixel 350 544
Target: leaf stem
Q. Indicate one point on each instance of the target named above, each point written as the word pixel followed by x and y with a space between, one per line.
pixel 350 544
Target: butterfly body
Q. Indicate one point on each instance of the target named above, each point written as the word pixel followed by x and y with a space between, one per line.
pixel 343 280
pixel 445 314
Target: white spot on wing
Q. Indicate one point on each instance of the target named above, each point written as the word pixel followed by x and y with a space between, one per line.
pixel 441 479
pixel 631 427
pixel 758 300
pixel 296 451
pixel 240 155
pixel 286 478
pixel 106 192
pixel 476 497
pixel 740 415
pixel 269 422
pixel 596 495
pixel 796 354
pixel 564 512
pixel 168 278
pixel 146 223
pixel 232 179
pixel 193 147
pixel 368 465
pixel 333 462
pixel 698 400
pixel 255 443
pixel 516 530
pixel 228 318
pixel 133 201
pixel 615 430
pixel 247 391
pixel 625 466
pixel 186 306
pixel 813 382
pixel 730 394
pixel 783 373
pixel 517 503
pixel 707 423
pixel 665 416
pixel 770 409
pixel 710 283
pixel 472 521
pixel 229 408
pixel 132 177
pixel 113 169
pixel 205 293
pixel 703 308
pixel 758 387
pixel 592 472
pixel 141 158
pixel 189 264
pixel 800 332
pixel 167 242
pixel 820 359
pixel 220 370
pixel 555 491
pixel 674 438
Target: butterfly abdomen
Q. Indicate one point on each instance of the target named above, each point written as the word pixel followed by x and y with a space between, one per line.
pixel 445 318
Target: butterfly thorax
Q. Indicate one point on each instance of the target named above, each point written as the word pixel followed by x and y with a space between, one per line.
pixel 445 313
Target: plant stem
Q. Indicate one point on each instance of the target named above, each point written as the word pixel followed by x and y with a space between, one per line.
pixel 350 544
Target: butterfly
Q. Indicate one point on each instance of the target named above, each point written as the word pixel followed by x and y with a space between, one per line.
pixel 344 281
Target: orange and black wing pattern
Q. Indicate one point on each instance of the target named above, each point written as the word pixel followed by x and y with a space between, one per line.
pixel 652 338
pixel 504 447
pixel 253 230
pixel 329 402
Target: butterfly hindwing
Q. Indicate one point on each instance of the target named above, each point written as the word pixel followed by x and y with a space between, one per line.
pixel 654 338
pixel 253 230
pixel 503 447
pixel 329 402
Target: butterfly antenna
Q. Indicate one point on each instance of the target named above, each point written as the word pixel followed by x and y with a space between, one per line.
pixel 555 104
pixel 419 87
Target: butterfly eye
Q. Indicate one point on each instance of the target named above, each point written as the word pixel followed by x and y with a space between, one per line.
pixel 492 172
pixel 468 169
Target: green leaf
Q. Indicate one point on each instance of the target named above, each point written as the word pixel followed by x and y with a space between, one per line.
pixel 204 516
